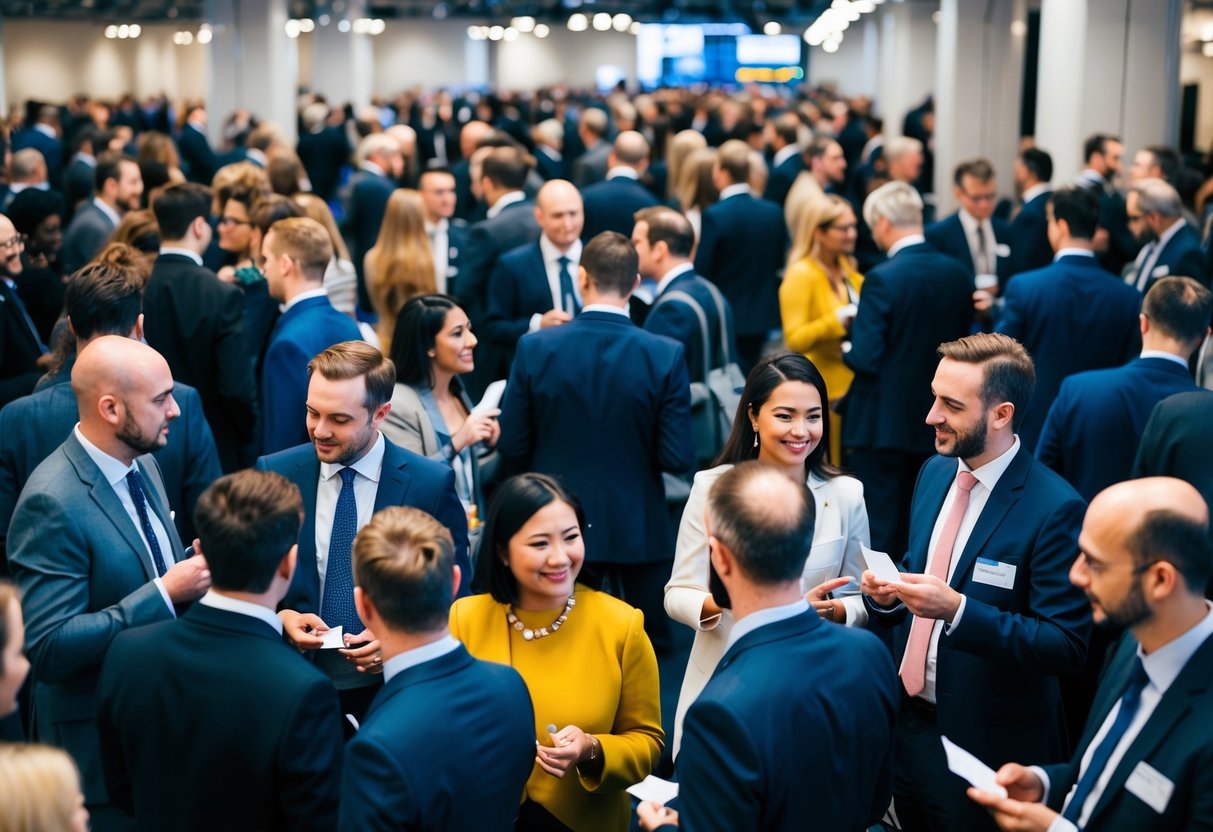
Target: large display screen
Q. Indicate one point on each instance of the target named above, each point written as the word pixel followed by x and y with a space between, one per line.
pixel 715 53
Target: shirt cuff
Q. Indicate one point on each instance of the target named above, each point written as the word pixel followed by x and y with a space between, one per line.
pixel 1060 824
pixel 533 326
pixel 1044 782
pixel 857 613
pixel 710 623
pixel 164 594
pixel 948 628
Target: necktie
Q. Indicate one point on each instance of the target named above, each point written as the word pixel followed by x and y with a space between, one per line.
pixel 568 298
pixel 134 481
pixel 29 322
pixel 914 666
pixel 337 606
pixel 983 251
pixel 1145 262
pixel 1129 702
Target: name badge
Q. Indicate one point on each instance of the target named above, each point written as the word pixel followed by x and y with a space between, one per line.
pixel 451 271
pixel 994 573
pixel 452 253
pixel 1152 788
pixel 1161 271
pixel 1002 250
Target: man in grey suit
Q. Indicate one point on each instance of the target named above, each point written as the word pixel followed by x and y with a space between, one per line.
pixel 118 186
pixel 93 548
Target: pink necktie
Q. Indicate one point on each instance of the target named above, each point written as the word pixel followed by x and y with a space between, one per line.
pixel 914 666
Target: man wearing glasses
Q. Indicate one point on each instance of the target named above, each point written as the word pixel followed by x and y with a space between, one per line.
pixel 20 345
pixel 972 235
pixel 1169 245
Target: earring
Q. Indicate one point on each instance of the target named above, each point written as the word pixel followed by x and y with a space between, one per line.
pixel 430 353
pixel 755 439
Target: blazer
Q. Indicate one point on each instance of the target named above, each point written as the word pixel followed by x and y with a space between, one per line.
pixel 323 154
pixel 365 206
pixel 550 166
pixel 911 304
pixel 1029 236
pixel 85 235
pixel 677 320
pixel 1182 256
pixel 1174 743
pixel 306 329
pixel 780 180
pixel 742 249
pixel 19 348
pixel 406 480
pixel 457 241
pixel 184 695
pixel 78 185
pixel 591 166
pixel 1005 703
pixel 397 775
pixel 608 428
pixel 610 205
pixel 948 236
pixel 196 321
pixel 1177 442
pixel 1091 433
pixel 807 302
pixel 50 148
pixel 1071 316
pixel 198 159
pixel 85 575
pixel 1113 217
pixel 517 290
pixel 839 533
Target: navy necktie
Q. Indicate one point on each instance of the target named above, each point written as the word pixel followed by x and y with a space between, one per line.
pixel 568 298
pixel 134 481
pixel 337 606
pixel 1129 702
pixel 29 322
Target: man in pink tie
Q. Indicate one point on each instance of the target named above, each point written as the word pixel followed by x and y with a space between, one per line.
pixel 985 620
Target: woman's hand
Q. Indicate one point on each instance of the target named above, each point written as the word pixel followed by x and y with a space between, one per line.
pixel 827 608
pixel 479 427
pixel 570 746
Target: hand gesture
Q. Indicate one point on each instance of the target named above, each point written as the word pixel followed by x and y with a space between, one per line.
pixel 826 608
pixel 366 656
pixel 554 317
pixel 189 579
pixel 929 597
pixel 653 816
pixel 570 746
pixel 1015 815
pixel 881 592
pixel 305 630
pixel 479 427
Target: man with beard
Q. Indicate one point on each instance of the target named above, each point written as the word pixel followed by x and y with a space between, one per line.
pixel 20 345
pixel 346 473
pixel 1143 762
pixel 119 185
pixel 986 619
pixel 1169 245
pixel 93 547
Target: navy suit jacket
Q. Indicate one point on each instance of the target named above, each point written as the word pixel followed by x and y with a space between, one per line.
pixel 1029 236
pixel 200 160
pixel 184 695
pixel 779 690
pixel 50 148
pixel 1071 316
pixel 782 177
pixel 1091 434
pixel 323 154
pixel 996 685
pixel 1177 442
pixel 84 237
pixel 456 244
pixel 518 289
pixel 610 205
pixel 19 349
pixel 948 236
pixel 367 201
pixel 305 330
pixel 397 773
pixel 910 304
pixel 607 427
pixel 1181 257
pixel 676 320
pixel 407 479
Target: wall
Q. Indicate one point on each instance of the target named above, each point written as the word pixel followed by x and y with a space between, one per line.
pixel 563 57
pixel 423 53
pixel 1195 68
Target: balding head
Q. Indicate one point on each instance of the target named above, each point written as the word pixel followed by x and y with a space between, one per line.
pixel 124 392
pixel 631 150
pixel 765 520
pixel 560 212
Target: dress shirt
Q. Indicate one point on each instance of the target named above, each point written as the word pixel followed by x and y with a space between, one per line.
pixel 229 604
pixel 46 130
pixel 88 159
pixel 622 311
pixel 371 167
pixel 770 615
pixel 783 154
pixel 668 277
pixel 1073 252
pixel 318 292
pixel 1149 255
pixel 972 228
pixel 1167 356
pixel 440 246
pixel 18 187
pixel 1163 666
pixel 115 471
pixel 183 252
pixel 104 207
pixel 366 487
pixel 551 262
pixel 987 476
pixel 1035 191
pixel 734 190
pixel 506 201
pixel 1091 177
pixel 257 157
pixel 905 242
pixel 418 655
pixel 623 172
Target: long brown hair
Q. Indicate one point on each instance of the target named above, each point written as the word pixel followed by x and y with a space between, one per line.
pixel 400 265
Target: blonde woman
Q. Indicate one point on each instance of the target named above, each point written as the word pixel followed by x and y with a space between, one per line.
pixel 400 265
pixel 681 145
pixel 695 188
pixel 340 280
pixel 40 791
pixel 818 296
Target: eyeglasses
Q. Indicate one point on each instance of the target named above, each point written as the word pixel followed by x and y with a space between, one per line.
pixel 845 228
pixel 14 242
pixel 980 197
pixel 233 221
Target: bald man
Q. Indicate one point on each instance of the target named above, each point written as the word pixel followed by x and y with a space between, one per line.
pixel 610 205
pixel 1144 759
pixel 93 547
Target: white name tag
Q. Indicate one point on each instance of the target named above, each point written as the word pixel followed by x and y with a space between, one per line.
pixel 1002 250
pixel 1154 789
pixel 994 573
pixel 1161 271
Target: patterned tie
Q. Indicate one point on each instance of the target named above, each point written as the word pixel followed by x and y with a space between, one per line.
pixel 134 481
pixel 914 666
pixel 337 606
pixel 568 298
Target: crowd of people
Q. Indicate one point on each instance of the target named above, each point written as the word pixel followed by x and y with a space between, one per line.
pixel 365 481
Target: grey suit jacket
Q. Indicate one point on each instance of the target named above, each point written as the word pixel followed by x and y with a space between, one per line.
pixel 85 576
pixel 84 237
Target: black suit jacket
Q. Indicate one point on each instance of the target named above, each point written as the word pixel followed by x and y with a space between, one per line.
pixel 19 349
pixel 1177 442
pixel 78 183
pixel 611 204
pixel 198 159
pixel 1029 234
pixel 780 180
pixel 365 206
pixel 948 236
pixel 323 155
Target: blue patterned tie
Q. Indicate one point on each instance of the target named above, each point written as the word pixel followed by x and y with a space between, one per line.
pixel 568 298
pixel 134 481
pixel 337 606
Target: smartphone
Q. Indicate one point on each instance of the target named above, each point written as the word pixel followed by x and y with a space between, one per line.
pixel 716 586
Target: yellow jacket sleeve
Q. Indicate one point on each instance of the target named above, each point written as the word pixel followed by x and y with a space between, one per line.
pixel 807 308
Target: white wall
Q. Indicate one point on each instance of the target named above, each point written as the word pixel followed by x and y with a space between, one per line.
pixel 563 57
pixel 1195 68
pixel 854 68
pixel 423 53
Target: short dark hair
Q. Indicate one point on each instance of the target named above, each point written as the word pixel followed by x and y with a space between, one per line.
pixel 1079 207
pixel 109 166
pixel 30 207
pixel 1167 159
pixel 177 206
pixel 770 538
pixel 1097 143
pixel 979 169
pixel 269 208
pixel 1180 541
pixel 1008 374
pixel 352 359
pixel 417 327
pixel 506 167
pixel 818 147
pixel 611 262
pixel 668 226
pixel 432 171
pixel 402 563
pixel 1179 307
pixel 106 296
pixel 247 522
pixel 1038 162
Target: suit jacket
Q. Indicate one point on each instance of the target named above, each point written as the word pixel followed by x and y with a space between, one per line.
pixel 1004 704
pixel 308 328
pixel 1174 743
pixel 910 304
pixel 549 166
pixel 196 684
pixel 197 157
pixel 456 240
pixel 741 249
pixel 406 480
pixel 1182 256
pixel 323 155
pixel 364 209
pixel 196 322
pixel 1071 316
pixel 1090 436
pixel 85 575
pixel 50 148
pixel 675 319
pixel 780 180
pixel 19 348
pixel 743 764
pixel 610 205
pixel 608 427
pixel 591 166
pixel 1029 236
pixel 948 236
pixel 1177 442
pixel 86 235
pixel 1113 218
pixel 465 200
pixel 518 289
pixel 78 185
pixel 396 774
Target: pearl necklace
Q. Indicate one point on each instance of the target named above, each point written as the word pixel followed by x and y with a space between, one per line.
pixel 529 634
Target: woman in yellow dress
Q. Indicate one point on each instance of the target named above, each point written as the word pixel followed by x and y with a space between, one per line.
pixel 818 296
pixel 584 656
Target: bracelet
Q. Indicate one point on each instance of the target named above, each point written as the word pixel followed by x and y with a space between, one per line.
pixel 594 746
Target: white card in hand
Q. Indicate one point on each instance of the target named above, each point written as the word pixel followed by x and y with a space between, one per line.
pixel 332 639
pixel 655 789
pixel 491 399
pixel 966 766
pixel 881 565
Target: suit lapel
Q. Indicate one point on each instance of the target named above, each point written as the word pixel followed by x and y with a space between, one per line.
pixel 155 498
pixel 934 490
pixel 1001 501
pixel 307 472
pixel 393 480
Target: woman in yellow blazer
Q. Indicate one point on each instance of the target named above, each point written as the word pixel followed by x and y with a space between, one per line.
pixel 818 296
pixel 584 656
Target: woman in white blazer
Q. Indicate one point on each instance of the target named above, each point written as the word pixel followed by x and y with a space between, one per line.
pixel 781 420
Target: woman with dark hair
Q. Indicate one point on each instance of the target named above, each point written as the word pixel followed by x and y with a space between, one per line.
pixel 38 217
pixel 781 420
pixel 584 656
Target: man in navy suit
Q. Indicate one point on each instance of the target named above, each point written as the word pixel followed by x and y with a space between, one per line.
pixel 1029 232
pixel 742 249
pixel 380 165
pixel 21 347
pixel 1091 434
pixel 985 620
pixel 1072 315
pixel 811 746
pixel 1169 245
pixel 397 775
pixel 610 204
pixel 118 187
pixel 323 150
pixel 1115 244
pixel 43 135
pixel 973 236
pixel 910 302
pixel 605 406
pixel 783 138
pixel 591 166
pixel 1177 442
pixel 346 472
pixel 199 160
pixel 448 236
pixel 250 731
pixel 1143 760
pixel 296 252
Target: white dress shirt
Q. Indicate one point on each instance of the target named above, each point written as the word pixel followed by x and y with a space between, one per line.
pixel 1073 252
pixel 905 242
pixel 668 277
pixel 227 603
pixel 366 487
pixel 418 655
pixel 551 263
pixel 973 228
pixel 1035 191
pixel 608 307
pixel 504 202
pixel 734 190
pixel 623 172
pixel 440 246
pixel 183 252
pixel 770 615
pixel 318 292
pixel 783 154
pixel 105 208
